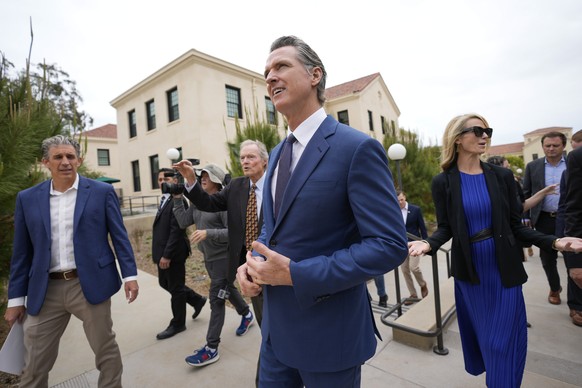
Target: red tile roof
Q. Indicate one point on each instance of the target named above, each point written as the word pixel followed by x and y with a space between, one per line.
pixel 542 131
pixel 504 149
pixel 350 87
pixel 107 131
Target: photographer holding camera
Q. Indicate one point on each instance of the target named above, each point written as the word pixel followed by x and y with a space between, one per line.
pixel 170 248
pixel 211 235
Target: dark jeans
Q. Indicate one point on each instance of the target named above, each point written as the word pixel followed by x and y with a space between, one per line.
pixel 218 271
pixel 173 280
pixel 547 224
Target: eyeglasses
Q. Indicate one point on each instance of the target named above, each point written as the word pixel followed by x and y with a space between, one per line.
pixel 478 131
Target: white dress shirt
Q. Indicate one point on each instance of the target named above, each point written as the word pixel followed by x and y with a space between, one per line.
pixel 303 133
pixel 258 193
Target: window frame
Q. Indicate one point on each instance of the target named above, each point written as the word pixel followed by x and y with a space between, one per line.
pixel 132 123
pixel 151 114
pixel 272 116
pixel 340 118
pixel 173 109
pixel 231 105
pixel 154 161
pixel 136 177
pixel 107 162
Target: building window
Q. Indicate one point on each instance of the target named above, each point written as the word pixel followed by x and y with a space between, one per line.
pixel 383 124
pixel 534 156
pixel 103 157
pixel 370 121
pixel 233 104
pixel 151 114
pixel 393 125
pixel 132 123
pixel 343 117
pixel 135 175
pixel 173 108
pixel 154 170
pixel 271 112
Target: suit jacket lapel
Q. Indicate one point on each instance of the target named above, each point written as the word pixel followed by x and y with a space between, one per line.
pixel 244 199
pixel 43 197
pixel 456 199
pixel 83 194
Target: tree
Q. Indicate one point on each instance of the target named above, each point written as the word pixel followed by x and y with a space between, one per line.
pixel 417 169
pixel 256 129
pixel 33 106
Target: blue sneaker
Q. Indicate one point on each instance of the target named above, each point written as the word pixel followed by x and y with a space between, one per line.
pixel 203 356
pixel 245 323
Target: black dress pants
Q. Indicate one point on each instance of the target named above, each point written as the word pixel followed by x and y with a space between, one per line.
pixel 173 280
pixel 546 223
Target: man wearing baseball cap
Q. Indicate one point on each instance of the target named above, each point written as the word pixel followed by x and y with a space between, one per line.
pixel 242 197
pixel 211 236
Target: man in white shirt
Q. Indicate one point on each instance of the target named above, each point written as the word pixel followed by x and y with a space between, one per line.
pixel 63 264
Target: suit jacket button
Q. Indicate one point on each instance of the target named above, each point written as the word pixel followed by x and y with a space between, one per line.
pixel 273 243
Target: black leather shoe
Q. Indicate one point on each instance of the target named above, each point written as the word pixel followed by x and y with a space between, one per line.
pixel 170 332
pixel 198 307
pixel 383 301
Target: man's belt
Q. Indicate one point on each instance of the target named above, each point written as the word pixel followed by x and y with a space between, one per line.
pixel 65 275
pixel 481 235
pixel 550 214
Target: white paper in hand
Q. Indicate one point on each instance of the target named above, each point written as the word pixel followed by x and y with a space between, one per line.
pixel 12 352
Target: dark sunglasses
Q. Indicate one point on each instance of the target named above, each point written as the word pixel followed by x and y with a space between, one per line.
pixel 478 131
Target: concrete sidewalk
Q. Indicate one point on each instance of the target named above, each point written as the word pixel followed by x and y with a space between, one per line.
pixel 554 349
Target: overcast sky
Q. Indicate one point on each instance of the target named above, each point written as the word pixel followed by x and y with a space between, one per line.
pixel 518 63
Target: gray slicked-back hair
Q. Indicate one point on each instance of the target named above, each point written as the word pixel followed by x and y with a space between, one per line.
pixel 57 141
pixel 263 153
pixel 307 56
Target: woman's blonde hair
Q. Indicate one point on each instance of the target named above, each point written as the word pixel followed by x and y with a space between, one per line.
pixel 452 133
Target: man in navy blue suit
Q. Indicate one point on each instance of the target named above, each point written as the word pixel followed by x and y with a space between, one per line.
pixel 62 264
pixel 331 223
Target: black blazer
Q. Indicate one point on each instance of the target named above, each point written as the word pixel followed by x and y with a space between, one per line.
pixel 506 220
pixel 573 201
pixel 233 198
pixel 168 240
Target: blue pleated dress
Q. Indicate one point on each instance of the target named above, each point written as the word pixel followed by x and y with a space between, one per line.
pixel 492 318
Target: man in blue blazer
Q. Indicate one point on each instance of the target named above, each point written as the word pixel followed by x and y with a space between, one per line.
pixel 63 264
pixel 337 226
pixel 540 173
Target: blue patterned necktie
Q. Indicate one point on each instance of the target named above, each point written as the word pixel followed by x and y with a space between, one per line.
pixel 284 171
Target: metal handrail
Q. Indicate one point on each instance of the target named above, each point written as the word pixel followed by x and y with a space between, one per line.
pixel 139 204
pixel 440 321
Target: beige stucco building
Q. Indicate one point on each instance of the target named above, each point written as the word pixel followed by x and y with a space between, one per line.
pixel 193 102
pixel 532 142
pixel 102 152
pixel 531 148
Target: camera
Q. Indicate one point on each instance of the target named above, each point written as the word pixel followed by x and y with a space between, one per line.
pixel 176 188
pixel 223 293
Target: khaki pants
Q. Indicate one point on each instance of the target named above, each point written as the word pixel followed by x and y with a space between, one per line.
pixel 43 332
pixel 412 264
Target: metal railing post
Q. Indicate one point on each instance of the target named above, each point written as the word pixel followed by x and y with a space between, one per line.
pixel 439 349
pixel 397 285
pixel 440 321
